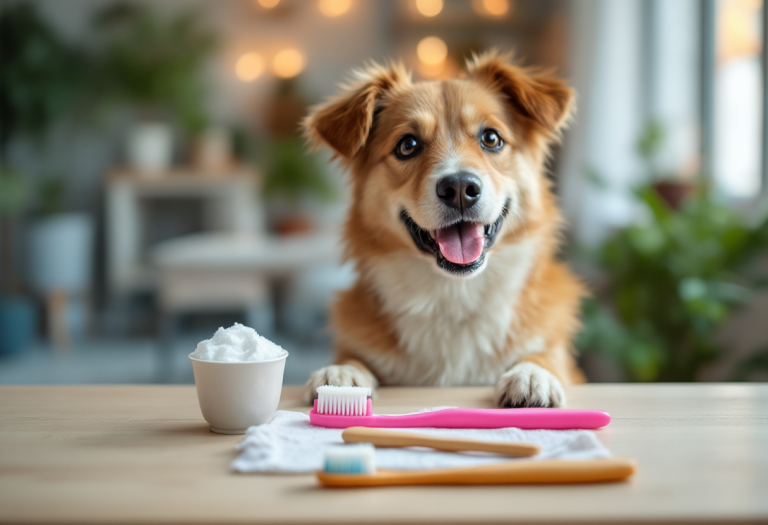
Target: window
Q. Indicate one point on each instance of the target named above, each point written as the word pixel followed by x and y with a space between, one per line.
pixel 738 97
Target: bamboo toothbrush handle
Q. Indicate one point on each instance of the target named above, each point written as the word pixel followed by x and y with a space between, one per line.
pixel 390 438
pixel 511 472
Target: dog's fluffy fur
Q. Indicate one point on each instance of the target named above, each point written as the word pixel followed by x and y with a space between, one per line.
pixel 508 319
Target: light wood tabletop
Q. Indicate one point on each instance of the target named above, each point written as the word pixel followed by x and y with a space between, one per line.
pixel 90 454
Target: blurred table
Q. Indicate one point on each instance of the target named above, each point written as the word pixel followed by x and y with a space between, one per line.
pixel 144 454
pixel 272 255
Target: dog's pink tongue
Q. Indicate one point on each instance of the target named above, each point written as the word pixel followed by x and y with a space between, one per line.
pixel 461 243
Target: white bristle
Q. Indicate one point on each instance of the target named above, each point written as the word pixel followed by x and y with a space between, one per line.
pixel 342 400
pixel 350 459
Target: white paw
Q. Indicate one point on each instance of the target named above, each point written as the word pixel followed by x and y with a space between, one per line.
pixel 529 385
pixel 337 375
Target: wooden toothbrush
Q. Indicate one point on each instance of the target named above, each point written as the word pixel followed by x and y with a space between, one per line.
pixel 355 466
pixel 391 438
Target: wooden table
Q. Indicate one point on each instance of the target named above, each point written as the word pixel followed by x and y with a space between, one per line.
pixel 144 454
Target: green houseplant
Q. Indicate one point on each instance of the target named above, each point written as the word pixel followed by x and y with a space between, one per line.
pixel 294 176
pixel 41 75
pixel 40 81
pixel 672 282
pixel 153 65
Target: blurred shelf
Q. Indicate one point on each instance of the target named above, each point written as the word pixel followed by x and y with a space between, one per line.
pixel 183 180
pixel 229 205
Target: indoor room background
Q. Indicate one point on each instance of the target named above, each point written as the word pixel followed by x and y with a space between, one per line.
pixel 154 184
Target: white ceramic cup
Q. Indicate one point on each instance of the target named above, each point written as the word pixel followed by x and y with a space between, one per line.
pixel 235 396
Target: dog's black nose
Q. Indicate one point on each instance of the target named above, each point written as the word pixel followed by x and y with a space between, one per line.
pixel 460 191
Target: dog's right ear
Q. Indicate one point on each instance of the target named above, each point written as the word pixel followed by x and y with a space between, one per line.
pixel 344 123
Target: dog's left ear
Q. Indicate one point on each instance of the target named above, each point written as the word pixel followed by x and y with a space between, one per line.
pixel 344 123
pixel 541 100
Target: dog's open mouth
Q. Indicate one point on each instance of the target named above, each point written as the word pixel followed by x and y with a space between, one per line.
pixel 459 248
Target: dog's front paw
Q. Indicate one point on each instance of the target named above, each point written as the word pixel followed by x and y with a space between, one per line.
pixel 337 375
pixel 529 385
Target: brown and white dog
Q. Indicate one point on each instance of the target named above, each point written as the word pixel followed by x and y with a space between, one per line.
pixel 454 231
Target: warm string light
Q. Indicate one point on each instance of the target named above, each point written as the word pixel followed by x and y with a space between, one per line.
pixel 428 71
pixel 491 8
pixel 432 51
pixel 268 4
pixel 249 67
pixel 285 64
pixel 429 8
pixel 334 8
pixel 288 63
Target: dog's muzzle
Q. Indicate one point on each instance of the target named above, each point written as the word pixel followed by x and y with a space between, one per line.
pixel 459 248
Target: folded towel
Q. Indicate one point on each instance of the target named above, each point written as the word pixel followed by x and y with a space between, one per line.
pixel 290 444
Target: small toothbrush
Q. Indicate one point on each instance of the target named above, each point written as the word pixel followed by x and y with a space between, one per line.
pixel 393 438
pixel 354 466
pixel 350 406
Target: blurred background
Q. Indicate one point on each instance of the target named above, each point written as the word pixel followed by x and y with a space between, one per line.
pixel 153 185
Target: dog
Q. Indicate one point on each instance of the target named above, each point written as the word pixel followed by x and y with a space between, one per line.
pixel 454 230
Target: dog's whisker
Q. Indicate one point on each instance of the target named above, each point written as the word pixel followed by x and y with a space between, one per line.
pixel 525 225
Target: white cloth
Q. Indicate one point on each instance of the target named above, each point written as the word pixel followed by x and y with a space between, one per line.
pixel 290 444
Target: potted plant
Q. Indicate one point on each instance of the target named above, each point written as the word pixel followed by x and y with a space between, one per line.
pixel 17 311
pixel 295 178
pixel 153 64
pixel 672 282
pixel 672 189
pixel 60 248
pixel 39 82
pixel 41 76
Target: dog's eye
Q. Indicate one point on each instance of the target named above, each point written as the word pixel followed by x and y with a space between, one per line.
pixel 491 140
pixel 407 147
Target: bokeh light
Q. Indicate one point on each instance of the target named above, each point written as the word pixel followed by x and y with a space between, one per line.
pixel 491 8
pixel 432 51
pixel 268 4
pixel 333 8
pixel 288 63
pixel 429 8
pixel 249 67
pixel 431 71
pixel 739 30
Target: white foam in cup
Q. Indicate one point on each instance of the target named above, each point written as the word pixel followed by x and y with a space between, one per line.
pixel 239 378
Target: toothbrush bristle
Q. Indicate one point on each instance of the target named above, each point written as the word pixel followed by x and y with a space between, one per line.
pixel 350 459
pixel 343 400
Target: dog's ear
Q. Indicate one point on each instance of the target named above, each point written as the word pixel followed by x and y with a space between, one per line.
pixel 344 123
pixel 541 100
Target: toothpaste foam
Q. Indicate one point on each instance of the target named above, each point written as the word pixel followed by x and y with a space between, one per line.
pixel 237 344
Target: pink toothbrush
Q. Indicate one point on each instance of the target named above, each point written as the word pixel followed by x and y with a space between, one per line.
pixel 350 406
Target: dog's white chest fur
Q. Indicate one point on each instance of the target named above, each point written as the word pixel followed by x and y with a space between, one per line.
pixel 451 331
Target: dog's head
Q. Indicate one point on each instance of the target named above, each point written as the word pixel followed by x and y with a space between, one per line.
pixel 446 168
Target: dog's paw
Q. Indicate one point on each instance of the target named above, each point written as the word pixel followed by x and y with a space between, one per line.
pixel 337 375
pixel 529 385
